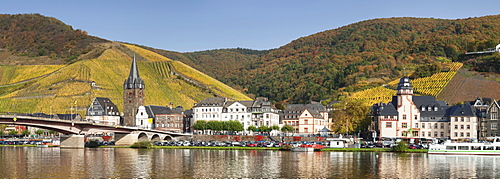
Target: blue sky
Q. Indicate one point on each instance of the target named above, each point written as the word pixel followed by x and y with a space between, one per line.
pixel 186 26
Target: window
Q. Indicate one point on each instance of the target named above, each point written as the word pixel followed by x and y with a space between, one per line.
pixel 416 125
pixel 456 126
pixel 435 134
pixel 435 125
pixel 404 116
pixel 461 126
pixel 467 119
pixel 462 119
pixel 468 134
pixel 493 125
pixel 461 134
pixel 306 129
pixel 441 134
pixel 494 113
pixel 455 134
pixel 305 121
pixel 468 126
pixel 423 134
pixel 423 126
pixel 429 134
pixel 404 125
pixel 416 117
pixel 442 125
pixel 388 125
pixel 456 119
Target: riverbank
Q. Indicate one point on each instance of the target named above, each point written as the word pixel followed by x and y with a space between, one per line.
pixel 278 148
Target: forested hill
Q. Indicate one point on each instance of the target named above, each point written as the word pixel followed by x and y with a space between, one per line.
pixel 332 63
pixel 35 35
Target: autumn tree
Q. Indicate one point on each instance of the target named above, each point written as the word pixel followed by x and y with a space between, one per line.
pixel 351 116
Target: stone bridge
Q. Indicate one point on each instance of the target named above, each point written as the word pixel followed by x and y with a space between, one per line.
pixel 74 131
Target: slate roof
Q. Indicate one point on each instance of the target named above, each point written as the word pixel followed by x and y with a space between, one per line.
pixel 212 101
pixel 259 102
pixel 404 83
pixel 133 81
pixel 153 110
pixel 106 102
pixel 462 110
pixel 247 104
pixel 385 109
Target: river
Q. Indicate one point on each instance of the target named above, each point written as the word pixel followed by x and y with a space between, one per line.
pixel 32 162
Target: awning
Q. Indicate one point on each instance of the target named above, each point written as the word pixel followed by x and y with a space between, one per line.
pixel 325 130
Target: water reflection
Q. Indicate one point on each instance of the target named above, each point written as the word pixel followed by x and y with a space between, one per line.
pixel 29 162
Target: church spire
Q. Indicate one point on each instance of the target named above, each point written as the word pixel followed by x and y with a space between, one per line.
pixel 133 80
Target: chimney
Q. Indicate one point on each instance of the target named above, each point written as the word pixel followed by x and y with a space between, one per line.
pixel 171 105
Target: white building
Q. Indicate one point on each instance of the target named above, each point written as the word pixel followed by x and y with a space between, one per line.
pixel 249 113
pixel 103 111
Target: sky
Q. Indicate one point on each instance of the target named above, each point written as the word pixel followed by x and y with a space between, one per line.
pixel 187 26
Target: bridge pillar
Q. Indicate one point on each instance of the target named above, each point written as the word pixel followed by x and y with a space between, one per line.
pixel 73 141
pixel 126 139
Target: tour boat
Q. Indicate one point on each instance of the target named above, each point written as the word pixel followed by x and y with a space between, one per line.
pixel 474 148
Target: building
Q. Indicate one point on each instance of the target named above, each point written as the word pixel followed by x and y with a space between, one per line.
pixel 305 118
pixel 161 118
pixel 249 113
pixel 463 122
pixel 209 109
pixel 410 116
pixel 133 95
pixel 103 111
pixel 492 123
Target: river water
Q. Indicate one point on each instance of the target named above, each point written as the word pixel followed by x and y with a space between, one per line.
pixel 32 162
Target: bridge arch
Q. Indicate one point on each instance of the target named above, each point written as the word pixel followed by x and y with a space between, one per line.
pixel 143 137
pixel 168 137
pixel 156 138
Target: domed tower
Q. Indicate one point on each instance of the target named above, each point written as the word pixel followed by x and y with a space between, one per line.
pixel 133 95
pixel 404 87
pixel 404 92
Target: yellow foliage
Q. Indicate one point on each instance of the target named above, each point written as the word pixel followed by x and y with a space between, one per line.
pixel 428 86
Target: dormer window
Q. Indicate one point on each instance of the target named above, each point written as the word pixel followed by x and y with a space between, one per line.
pixel 423 108
pixel 429 108
pixel 435 108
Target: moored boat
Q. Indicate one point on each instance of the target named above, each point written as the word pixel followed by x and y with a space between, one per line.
pixel 302 149
pixel 474 148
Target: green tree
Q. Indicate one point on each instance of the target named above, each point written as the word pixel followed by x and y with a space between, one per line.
pixel 2 133
pixel 13 132
pixel 52 133
pixel 264 128
pixel 401 146
pixel 286 128
pixel 215 126
pixel 39 132
pixel 26 132
pixel 200 125
pixel 252 128
pixel 233 126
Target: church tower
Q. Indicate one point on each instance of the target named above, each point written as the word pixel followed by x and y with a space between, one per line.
pixel 133 95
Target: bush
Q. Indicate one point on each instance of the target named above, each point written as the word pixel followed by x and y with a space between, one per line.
pixel 142 144
pixel 286 147
pixel 92 144
pixel 402 146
